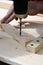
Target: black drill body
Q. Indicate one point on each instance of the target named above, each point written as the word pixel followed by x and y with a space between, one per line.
pixel 20 8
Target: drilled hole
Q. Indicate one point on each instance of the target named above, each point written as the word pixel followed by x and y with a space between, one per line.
pixel 41 37
pixel 37 40
pixel 32 44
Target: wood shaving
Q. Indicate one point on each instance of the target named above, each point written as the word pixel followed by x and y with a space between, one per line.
pixel 1 27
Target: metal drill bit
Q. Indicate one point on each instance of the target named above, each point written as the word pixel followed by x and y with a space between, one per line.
pixel 20 26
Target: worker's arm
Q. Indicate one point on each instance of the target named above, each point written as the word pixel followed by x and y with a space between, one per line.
pixel 35 7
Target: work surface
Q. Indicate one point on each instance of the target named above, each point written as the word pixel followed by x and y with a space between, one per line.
pixel 13 53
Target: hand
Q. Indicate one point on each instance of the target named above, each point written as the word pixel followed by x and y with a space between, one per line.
pixel 35 7
pixel 9 16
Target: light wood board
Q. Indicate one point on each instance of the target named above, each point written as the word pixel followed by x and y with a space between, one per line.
pixel 35 45
pixel 23 39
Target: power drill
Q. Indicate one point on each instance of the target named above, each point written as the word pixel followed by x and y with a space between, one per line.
pixel 20 9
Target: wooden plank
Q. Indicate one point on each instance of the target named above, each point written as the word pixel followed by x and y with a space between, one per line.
pixel 23 39
pixel 35 45
pixel 3 34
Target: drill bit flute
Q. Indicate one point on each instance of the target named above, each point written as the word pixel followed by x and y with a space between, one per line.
pixel 20 27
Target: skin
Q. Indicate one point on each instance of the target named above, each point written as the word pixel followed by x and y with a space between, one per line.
pixel 34 8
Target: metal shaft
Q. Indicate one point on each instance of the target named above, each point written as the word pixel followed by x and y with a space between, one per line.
pixel 20 26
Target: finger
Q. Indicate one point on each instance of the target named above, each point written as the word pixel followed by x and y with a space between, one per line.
pixel 11 18
pixel 4 19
